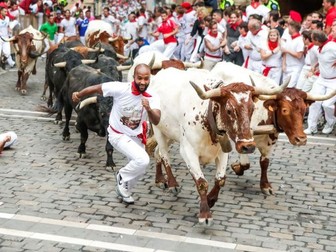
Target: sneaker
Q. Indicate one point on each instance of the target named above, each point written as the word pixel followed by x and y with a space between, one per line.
pixel 328 128
pixel 310 131
pixel 122 187
pixel 128 200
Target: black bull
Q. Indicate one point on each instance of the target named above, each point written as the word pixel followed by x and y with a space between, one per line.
pixel 95 116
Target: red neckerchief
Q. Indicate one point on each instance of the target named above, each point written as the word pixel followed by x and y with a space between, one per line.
pixel 143 15
pixel 2 17
pixel 235 25
pixel 213 34
pixel 272 45
pixel 321 46
pixel 189 10
pixel 296 35
pixel 255 33
pixel 255 5
pixel 244 35
pixel 310 46
pixel 133 21
pixel 136 92
pixel 179 16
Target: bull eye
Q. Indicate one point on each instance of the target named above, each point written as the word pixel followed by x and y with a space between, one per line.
pixel 285 111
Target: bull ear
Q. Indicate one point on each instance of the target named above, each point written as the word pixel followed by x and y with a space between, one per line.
pixel 270 105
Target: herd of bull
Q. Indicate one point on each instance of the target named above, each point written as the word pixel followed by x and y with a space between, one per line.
pixel 236 106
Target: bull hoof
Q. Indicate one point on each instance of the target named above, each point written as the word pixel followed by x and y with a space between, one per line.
pixel 236 167
pixel 81 155
pixel 66 138
pixel 23 91
pixel 17 88
pixel 162 185
pixel 206 221
pixel 110 168
pixel 174 190
pixel 267 191
pixel 57 122
pixel 43 98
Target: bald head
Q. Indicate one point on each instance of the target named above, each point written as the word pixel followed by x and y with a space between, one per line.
pixel 142 68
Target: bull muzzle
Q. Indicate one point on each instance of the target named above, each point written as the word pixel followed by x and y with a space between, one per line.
pixel 245 147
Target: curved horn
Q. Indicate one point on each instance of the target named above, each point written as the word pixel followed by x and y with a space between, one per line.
pixel 313 97
pixel 41 39
pixel 190 64
pixel 9 39
pixel 86 61
pixel 252 81
pixel 208 94
pixel 120 56
pixel 86 102
pixel 60 64
pixel 123 68
pixel 152 61
pixel 110 39
pixel 272 90
pixel 267 97
pixel 35 54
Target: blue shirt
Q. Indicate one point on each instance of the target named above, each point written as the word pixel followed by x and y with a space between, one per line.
pixel 82 26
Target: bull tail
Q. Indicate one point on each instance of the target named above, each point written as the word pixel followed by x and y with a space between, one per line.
pixel 151 142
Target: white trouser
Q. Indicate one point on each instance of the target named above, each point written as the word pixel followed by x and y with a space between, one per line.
pixel 178 49
pixel 187 49
pixel 158 45
pixel 82 39
pixel 134 150
pixel 209 63
pixel 275 74
pixel 304 82
pixel 255 65
pixel 197 50
pixel 12 141
pixel 321 87
pixel 169 49
pixel 5 50
pixel 293 72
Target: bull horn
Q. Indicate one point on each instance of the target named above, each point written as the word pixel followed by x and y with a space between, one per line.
pixel 60 64
pixel 9 39
pixel 313 97
pixel 87 61
pixel 35 54
pixel 120 56
pixel 272 90
pixel 112 39
pixel 93 49
pixel 151 62
pixel 208 94
pixel 123 68
pixel 86 102
pixel 267 97
pixel 190 64
pixel 102 50
pixel 252 81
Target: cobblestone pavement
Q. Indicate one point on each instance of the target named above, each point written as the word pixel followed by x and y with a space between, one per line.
pixel 50 200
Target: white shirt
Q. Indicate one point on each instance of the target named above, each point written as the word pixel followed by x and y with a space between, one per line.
pixel 189 20
pixel 257 41
pixel 127 112
pixel 131 30
pixel 142 22
pixel 69 26
pixel 242 41
pixel 294 45
pixel 311 56
pixel 275 60
pixel 222 25
pixel 217 55
pixel 4 23
pixel 261 10
pixel 326 58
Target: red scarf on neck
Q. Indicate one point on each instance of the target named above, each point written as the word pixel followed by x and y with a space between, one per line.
pixel 136 92
pixel 294 36
pixel 189 10
pixel 234 26
pixel 272 45
pixel 310 46
pixel 213 34
pixel 255 5
pixel 321 46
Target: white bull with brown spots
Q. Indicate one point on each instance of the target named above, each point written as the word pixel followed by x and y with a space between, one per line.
pixel 201 122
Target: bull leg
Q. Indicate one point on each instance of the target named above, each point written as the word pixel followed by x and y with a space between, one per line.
pixel 265 148
pixel 68 112
pixel 242 165
pixel 25 77
pixel 18 83
pixel 43 96
pixel 173 186
pixel 109 152
pixel 160 180
pixel 81 127
pixel 221 163
pixel 205 216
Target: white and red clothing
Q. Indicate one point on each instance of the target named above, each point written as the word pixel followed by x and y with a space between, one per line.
pixel 272 65
pixel 143 23
pixel 222 25
pixel 325 83
pixel 69 26
pixel 5 46
pixel 242 42
pixel 305 83
pixel 257 8
pixel 212 57
pixel 189 18
pixel 293 65
pixel 256 40
pixel 126 129
pixel 170 43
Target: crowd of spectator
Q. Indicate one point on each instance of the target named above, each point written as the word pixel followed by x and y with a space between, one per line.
pixel 254 36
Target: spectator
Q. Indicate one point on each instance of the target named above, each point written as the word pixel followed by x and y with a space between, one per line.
pixel 68 25
pixel 189 18
pixel 256 7
pixel 5 46
pixel 307 76
pixel 244 42
pixel 307 22
pixel 329 7
pixel 142 24
pixel 271 56
pixel 217 15
pixel 180 35
pixel 292 50
pixel 274 18
pixel 49 28
pixel 224 4
pixel 317 16
pixel 272 5
pixel 324 84
pixel 214 42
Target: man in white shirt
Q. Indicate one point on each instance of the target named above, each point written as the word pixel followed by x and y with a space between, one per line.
pixel 142 24
pixel 256 7
pixel 4 33
pixel 68 25
pixel 325 83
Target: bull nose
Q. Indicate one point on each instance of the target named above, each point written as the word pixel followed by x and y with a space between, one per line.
pixel 300 140
pixel 247 149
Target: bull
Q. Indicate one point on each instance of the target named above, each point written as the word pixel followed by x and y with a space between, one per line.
pixel 202 127
pixel 28 46
pixel 161 62
pixel 283 112
pixel 92 113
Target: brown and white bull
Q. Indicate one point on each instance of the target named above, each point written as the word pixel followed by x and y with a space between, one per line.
pixel 283 112
pixel 201 126
pixel 28 45
pixel 161 62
